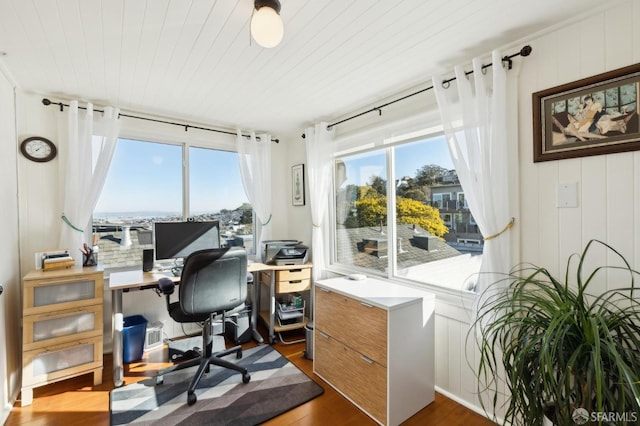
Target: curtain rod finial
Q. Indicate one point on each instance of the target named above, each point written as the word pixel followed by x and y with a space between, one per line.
pixel 46 101
pixel 526 50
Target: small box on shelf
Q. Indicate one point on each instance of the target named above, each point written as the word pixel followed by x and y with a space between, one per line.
pixel 55 259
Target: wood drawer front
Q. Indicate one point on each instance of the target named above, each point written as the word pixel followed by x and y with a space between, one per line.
pixel 53 328
pixel 45 295
pixel 292 286
pixel 359 378
pixel 56 362
pixel 293 274
pixel 289 281
pixel 362 327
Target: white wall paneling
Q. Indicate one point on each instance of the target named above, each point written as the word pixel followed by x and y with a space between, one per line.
pixel 9 254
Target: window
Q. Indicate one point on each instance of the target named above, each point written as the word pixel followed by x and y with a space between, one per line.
pixel 150 181
pixel 462 202
pixel 400 212
pixel 216 191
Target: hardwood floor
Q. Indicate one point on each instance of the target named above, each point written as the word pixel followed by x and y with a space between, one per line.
pixel 76 402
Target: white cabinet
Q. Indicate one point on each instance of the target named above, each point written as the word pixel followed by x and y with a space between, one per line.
pixel 61 326
pixel 373 343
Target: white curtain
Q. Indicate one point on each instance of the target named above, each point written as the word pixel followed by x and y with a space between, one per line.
pixel 475 126
pixel 319 146
pixel 91 143
pixel 255 169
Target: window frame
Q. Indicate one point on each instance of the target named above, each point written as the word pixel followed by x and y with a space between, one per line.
pixel 383 143
pixel 185 142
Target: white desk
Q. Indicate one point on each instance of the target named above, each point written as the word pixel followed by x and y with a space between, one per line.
pixel 120 281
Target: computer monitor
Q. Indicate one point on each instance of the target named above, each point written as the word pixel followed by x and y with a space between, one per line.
pixel 174 240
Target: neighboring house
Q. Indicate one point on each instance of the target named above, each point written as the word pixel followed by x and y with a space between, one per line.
pixel 447 195
pixel 454 210
pixel 421 255
pixel 367 247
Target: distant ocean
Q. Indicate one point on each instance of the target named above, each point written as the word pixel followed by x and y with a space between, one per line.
pixel 141 215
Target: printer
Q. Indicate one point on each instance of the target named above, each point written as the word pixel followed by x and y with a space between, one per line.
pixel 284 252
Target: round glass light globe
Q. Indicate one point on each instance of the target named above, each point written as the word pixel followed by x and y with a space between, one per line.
pixel 266 27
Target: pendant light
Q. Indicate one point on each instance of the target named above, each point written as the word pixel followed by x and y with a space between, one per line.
pixel 266 24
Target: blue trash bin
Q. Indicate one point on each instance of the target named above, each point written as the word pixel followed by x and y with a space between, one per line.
pixel 133 334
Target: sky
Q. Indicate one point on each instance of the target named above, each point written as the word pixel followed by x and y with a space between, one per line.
pixel 146 177
pixel 409 158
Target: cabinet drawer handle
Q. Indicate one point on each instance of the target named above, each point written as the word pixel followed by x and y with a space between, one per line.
pixel 295 270
pixel 67 314
pixel 326 290
pixel 367 360
pixel 54 281
pixel 366 305
pixel 326 336
pixel 295 281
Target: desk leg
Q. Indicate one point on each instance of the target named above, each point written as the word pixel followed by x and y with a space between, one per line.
pixel 272 307
pixel 255 307
pixel 116 335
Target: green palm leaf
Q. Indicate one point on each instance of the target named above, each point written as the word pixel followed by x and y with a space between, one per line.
pixel 550 343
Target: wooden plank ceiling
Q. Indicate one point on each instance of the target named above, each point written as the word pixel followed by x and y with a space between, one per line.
pixel 194 60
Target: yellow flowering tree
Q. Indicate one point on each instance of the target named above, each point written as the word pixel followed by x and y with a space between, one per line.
pixel 372 211
pixel 413 212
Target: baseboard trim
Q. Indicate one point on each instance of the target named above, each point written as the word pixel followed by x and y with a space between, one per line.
pixel 466 404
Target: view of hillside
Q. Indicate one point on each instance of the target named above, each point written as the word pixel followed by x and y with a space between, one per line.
pixel 121 237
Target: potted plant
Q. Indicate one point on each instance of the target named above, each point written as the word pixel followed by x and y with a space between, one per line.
pixel 554 349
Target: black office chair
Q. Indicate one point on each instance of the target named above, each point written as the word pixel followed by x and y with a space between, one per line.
pixel 213 282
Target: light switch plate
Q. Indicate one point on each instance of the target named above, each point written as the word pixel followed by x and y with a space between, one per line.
pixel 567 195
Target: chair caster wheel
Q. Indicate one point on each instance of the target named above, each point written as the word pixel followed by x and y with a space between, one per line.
pixel 238 354
pixel 191 398
pixel 246 377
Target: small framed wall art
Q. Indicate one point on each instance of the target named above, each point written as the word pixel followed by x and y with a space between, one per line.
pixel 297 185
pixel 592 116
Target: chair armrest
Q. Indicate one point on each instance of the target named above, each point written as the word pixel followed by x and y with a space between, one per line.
pixel 166 286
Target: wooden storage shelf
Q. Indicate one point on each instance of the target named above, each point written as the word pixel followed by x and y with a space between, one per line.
pixel 61 326
pixel 280 328
pixel 282 280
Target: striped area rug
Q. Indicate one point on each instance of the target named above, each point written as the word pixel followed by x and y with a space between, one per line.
pixel 276 386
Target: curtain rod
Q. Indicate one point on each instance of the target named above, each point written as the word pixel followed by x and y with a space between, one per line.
pixel 525 51
pixel 47 102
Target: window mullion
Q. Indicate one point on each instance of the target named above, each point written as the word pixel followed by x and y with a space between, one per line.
pixel 391 213
pixel 186 213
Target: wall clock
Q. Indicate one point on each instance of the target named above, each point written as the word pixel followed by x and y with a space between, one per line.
pixel 38 149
